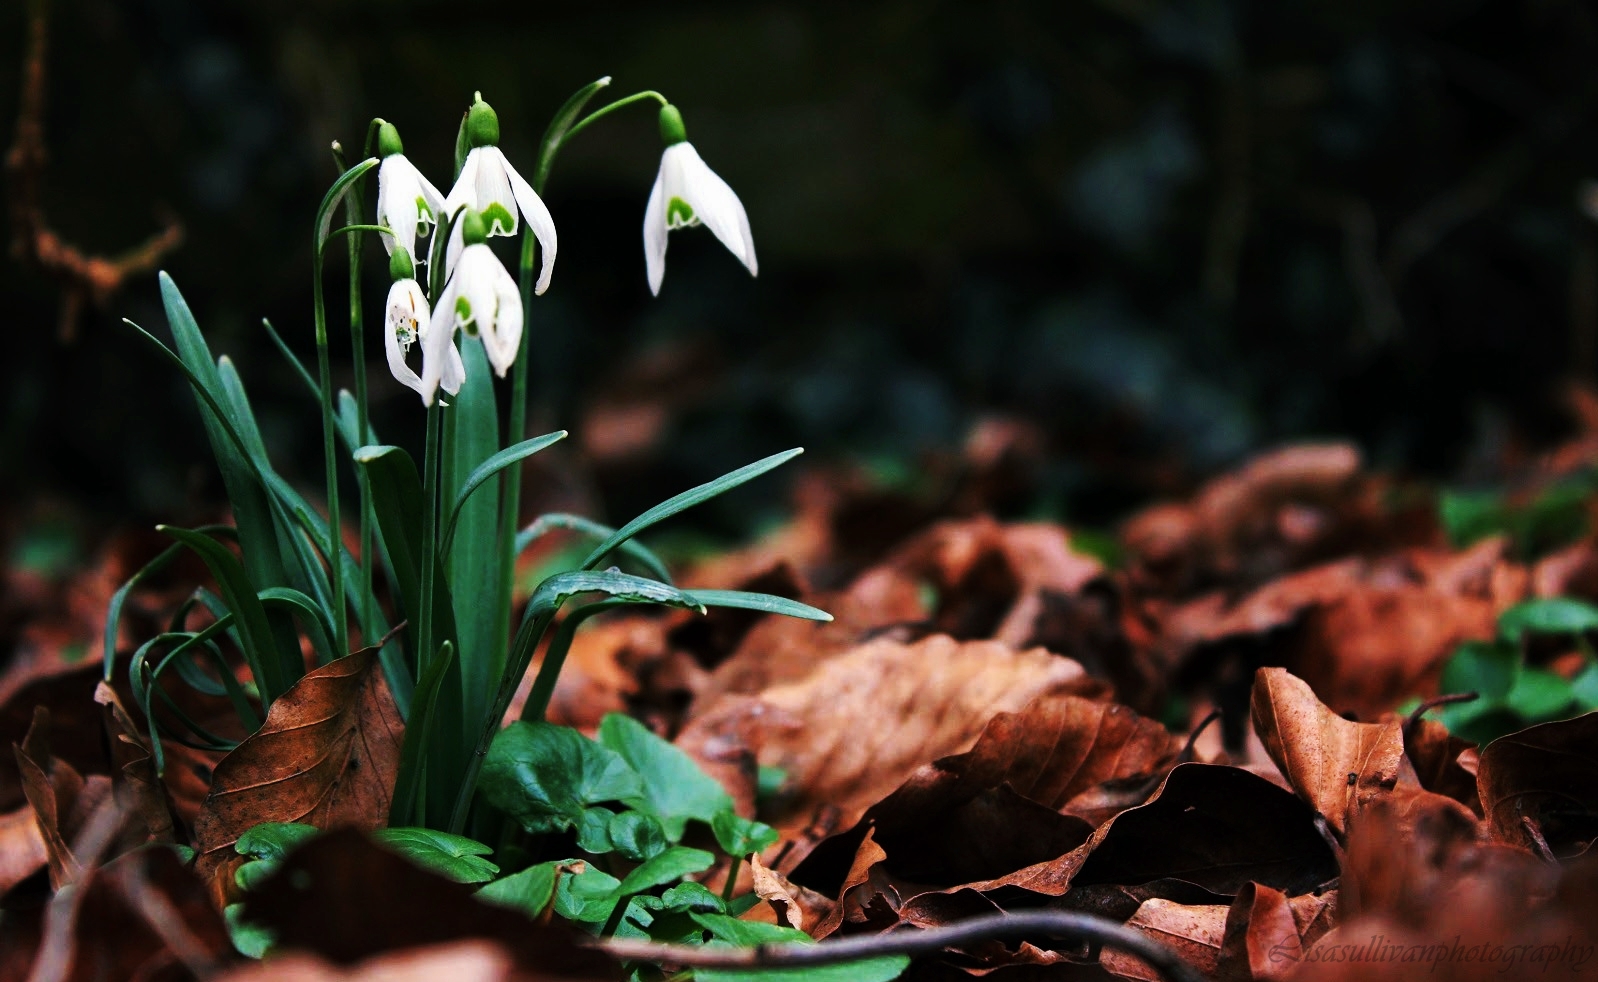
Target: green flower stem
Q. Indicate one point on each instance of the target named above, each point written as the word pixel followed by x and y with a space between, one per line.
pixel 607 110
pixel 353 209
pixel 329 457
pixel 728 888
pixel 353 228
pixel 426 649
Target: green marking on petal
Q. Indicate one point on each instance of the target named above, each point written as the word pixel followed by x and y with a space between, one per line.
pixel 424 216
pixel 679 213
pixel 498 220
pixel 463 316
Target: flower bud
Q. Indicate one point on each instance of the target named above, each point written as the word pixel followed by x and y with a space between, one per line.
pixel 400 266
pixel 482 124
pixel 474 231
pixel 388 140
pixel 671 128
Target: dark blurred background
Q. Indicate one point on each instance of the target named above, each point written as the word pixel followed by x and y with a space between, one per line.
pixel 1160 233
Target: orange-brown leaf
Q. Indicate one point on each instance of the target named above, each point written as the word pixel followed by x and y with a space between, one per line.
pixel 326 755
pixel 1332 763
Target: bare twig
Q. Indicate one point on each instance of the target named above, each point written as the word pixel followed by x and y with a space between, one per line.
pixel 1435 701
pixel 165 920
pixel 83 277
pixel 1056 923
pixel 54 962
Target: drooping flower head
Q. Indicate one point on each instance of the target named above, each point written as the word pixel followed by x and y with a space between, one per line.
pixel 481 299
pixel 489 185
pixel 407 320
pixel 687 192
pixel 407 202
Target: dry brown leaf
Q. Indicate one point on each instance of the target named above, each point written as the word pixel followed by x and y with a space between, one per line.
pixel 1333 764
pixel 1437 757
pixel 1543 783
pixel 1194 933
pixel 861 723
pixel 134 762
pixel 784 649
pixel 59 797
pixel 1266 932
pixel 327 755
pixel 465 961
pixel 1284 509
pixel 346 899
pixel 796 906
pixel 1212 826
pixel 1003 805
pixel 855 895
pixel 1409 849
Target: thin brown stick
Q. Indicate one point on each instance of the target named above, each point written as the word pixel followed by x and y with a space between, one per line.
pixel 1432 703
pixel 54 962
pixel 1055 923
pixel 83 277
pixel 165 921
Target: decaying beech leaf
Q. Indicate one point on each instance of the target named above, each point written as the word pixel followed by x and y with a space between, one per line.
pixel 1543 782
pixel 856 727
pixel 326 755
pixel 1005 804
pixel 1437 756
pixel 794 905
pixel 1333 764
pixel 1194 933
pixel 1213 826
pixel 1267 932
pixel 465 961
pixel 324 899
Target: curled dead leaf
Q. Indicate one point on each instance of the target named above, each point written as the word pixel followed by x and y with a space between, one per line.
pixel 326 755
pixel 1332 763
pixel 853 730
pixel 1542 782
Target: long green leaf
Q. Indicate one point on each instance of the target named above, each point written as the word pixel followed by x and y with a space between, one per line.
pixel 335 195
pixel 632 548
pixel 492 466
pixel 119 599
pixel 472 558
pixel 410 795
pixel 312 616
pixel 255 630
pixel 764 602
pixel 688 499
pixel 397 498
pixel 562 121
pixel 227 429
pixel 556 590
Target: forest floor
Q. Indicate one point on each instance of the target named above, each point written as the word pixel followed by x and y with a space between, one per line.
pixel 1240 726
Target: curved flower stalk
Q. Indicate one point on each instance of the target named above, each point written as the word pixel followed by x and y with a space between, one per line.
pixel 488 184
pixel 407 320
pixel 687 192
pixel 407 202
pixel 481 298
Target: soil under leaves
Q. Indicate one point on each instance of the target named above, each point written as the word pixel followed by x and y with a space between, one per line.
pixel 1199 741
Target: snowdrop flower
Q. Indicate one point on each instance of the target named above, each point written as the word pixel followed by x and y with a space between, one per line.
pixel 406 201
pixel 490 185
pixel 687 192
pixel 407 322
pixel 481 298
